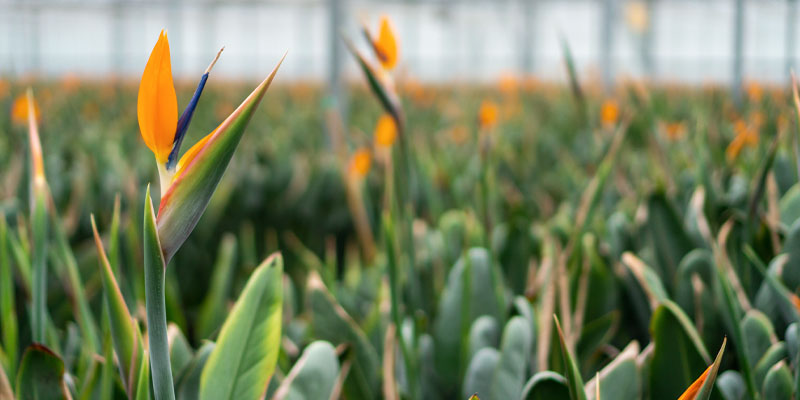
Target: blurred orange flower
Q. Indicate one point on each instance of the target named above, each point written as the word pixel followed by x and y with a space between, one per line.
pixel 19 110
pixel 674 130
pixel 487 115
pixel 3 88
pixel 609 113
pixel 458 134
pixel 385 131
pixel 508 83
pixel 745 136
pixel 386 45
pixel 754 92
pixel 360 163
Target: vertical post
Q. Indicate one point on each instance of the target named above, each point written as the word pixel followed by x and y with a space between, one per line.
pixel 335 87
pixel 527 14
pixel 738 46
pixel 647 42
pixel 791 35
pixel 607 43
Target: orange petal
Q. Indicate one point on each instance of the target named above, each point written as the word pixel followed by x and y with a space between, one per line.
pixel 158 105
pixel 386 45
pixel 190 154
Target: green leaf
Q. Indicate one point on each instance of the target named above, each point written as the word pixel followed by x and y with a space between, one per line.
pixel 8 314
pixel 143 386
pixel 778 383
pixel 468 294
pixel 483 333
pixel 480 373
pixel 313 376
pixel 188 195
pixel 41 375
pixel 621 379
pixel 679 355
pixel 77 292
pixel 667 235
pixel 515 349
pixel 546 385
pixel 332 323
pixel 574 380
pixel 180 352
pixel 244 358
pixel 127 339
pixel 155 303
pixel 758 334
pixel 188 383
pixel 213 311
pixel 772 356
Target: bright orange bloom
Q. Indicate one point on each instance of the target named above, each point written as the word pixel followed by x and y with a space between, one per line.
pixel 19 110
pixel 609 113
pixel 158 105
pixel 487 115
pixel 691 392
pixel 385 131
pixel 360 163
pixel 386 44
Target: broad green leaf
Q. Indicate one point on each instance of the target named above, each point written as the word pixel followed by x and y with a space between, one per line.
pixel 731 385
pixel 667 235
pixel 546 385
pixel 597 333
pixel 244 358
pixel 313 376
pixel 758 334
pixel 515 348
pixel 480 373
pixel 778 383
pixel 772 356
pixel 483 333
pixel 41 375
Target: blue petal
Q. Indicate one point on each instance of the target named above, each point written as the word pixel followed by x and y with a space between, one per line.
pixel 183 123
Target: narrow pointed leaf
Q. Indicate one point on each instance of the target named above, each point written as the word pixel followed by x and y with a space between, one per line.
pixel 244 358
pixel 213 310
pixel 574 380
pixel 124 333
pixel 143 386
pixel 194 183
pixel 8 315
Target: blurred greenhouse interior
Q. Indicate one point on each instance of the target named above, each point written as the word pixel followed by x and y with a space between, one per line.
pixel 720 41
